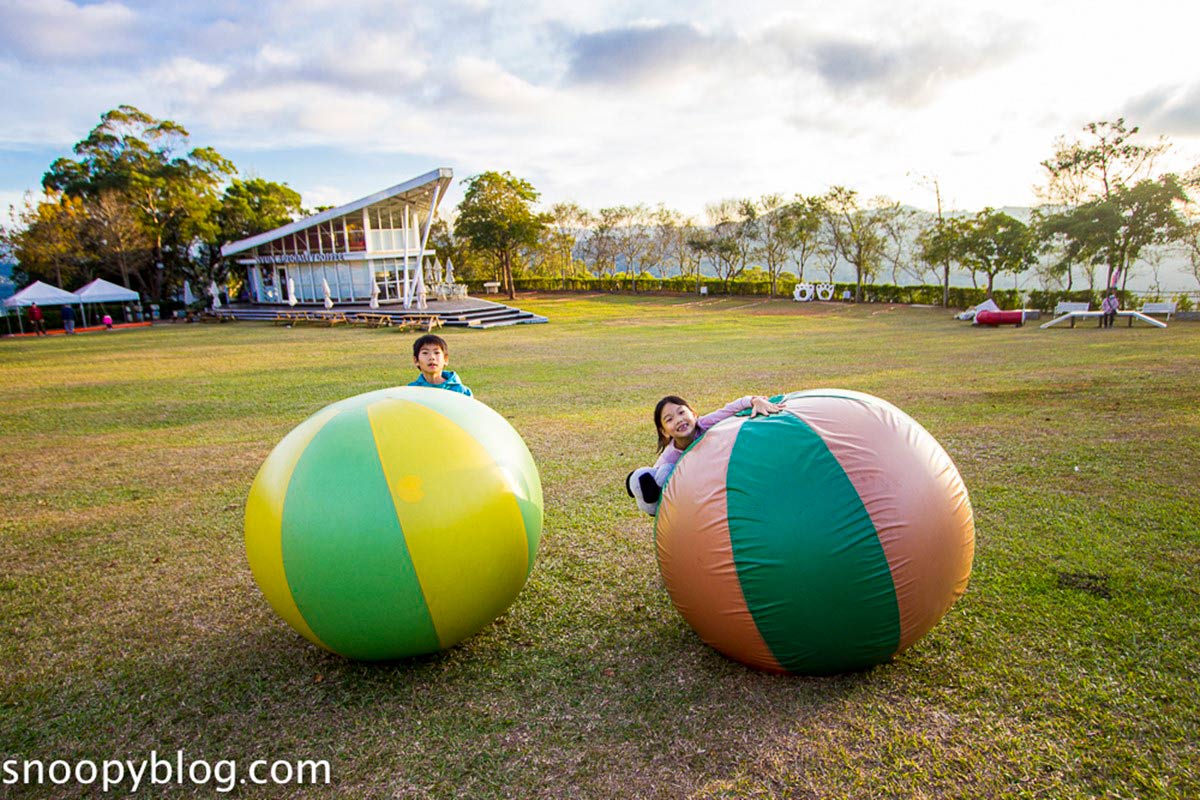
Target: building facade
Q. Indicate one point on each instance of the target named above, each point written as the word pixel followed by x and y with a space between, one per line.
pixel 372 248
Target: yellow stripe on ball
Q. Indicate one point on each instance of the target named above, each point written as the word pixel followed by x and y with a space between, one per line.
pixel 264 520
pixel 460 490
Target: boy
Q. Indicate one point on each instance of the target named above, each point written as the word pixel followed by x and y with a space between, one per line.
pixel 431 355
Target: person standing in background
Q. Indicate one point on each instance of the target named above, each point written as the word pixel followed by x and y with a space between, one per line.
pixel 37 320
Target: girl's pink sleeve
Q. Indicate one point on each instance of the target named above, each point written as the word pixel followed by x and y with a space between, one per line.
pixel 708 420
pixel 668 456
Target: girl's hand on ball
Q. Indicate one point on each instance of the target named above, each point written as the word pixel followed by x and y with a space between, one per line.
pixel 761 405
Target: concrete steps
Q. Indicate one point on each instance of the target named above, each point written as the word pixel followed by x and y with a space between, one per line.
pixel 493 315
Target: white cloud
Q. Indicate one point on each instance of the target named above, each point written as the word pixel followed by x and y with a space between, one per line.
pixel 52 30
pixel 623 101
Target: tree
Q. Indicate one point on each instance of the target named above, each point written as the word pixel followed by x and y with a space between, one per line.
pixel 49 238
pixel 728 242
pixel 856 233
pixel 669 244
pixel 942 244
pixel 568 221
pixel 245 209
pixel 1082 171
pixel 496 215
pixel 119 235
pixel 801 227
pixel 1085 172
pixel 775 236
pixel 1113 231
pixel 994 242
pixel 134 157
pixel 631 237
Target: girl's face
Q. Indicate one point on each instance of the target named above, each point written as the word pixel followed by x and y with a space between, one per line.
pixel 678 422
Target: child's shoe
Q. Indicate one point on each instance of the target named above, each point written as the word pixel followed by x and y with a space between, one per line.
pixel 642 486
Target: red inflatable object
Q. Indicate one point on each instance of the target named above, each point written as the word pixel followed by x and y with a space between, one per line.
pixel 995 318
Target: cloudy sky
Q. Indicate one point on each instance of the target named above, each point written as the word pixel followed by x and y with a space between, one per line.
pixel 608 102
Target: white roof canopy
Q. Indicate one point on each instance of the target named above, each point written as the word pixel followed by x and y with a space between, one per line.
pixel 43 294
pixel 102 291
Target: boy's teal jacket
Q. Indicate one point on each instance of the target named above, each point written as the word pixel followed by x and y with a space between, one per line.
pixel 452 383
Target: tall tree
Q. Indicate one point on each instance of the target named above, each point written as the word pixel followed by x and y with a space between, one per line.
pixel 669 244
pixel 729 240
pixel 856 232
pixel 1114 231
pixel 942 244
pixel 1110 158
pixel 601 243
pixel 995 243
pixel 245 209
pixel 119 235
pixel 1087 171
pixel 801 228
pixel 497 215
pixel 138 158
pixel 50 238
pixel 776 234
pixel 568 221
pixel 632 238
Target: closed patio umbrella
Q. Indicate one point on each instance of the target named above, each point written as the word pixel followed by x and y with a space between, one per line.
pixel 291 292
pixel 328 298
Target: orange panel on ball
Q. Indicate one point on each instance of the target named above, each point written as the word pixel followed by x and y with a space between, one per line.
pixel 696 555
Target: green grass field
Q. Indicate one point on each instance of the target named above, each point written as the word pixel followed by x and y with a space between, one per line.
pixel 130 623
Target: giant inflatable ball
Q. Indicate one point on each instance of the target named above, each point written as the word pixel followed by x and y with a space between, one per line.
pixel 824 539
pixel 394 523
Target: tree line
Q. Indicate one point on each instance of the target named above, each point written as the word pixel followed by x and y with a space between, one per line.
pixel 1106 212
pixel 138 205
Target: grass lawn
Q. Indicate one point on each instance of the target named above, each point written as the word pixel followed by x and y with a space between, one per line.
pixel 130 623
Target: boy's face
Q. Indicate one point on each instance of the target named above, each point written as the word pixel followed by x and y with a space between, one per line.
pixel 431 359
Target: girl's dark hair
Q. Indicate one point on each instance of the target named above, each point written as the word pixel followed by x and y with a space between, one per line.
pixel 663 439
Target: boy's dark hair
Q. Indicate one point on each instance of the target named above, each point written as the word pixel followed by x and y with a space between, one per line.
pixel 430 338
pixel 663 439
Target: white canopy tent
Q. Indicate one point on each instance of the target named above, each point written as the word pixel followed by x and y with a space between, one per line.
pixel 43 294
pixel 102 291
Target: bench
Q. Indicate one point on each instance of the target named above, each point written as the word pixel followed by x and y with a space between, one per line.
pixel 426 322
pixel 491 287
pixel 290 316
pixel 371 320
pixel 1159 308
pixel 1130 315
pixel 1068 310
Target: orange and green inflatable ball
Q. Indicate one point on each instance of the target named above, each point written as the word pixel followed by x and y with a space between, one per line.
pixel 823 539
pixel 395 523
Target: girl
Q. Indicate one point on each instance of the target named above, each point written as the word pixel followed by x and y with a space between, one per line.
pixel 678 427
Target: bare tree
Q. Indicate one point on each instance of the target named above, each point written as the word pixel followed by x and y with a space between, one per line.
pixel 857 232
pixel 568 221
pixel 119 234
pixel 632 238
pixel 774 236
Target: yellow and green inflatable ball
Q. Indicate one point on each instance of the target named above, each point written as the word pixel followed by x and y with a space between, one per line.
pixel 395 523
